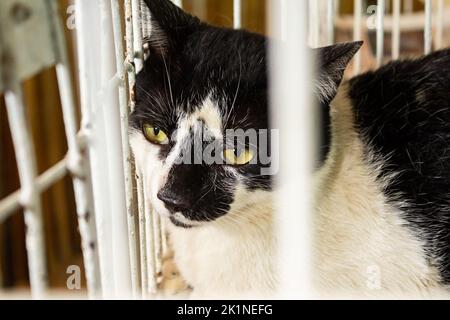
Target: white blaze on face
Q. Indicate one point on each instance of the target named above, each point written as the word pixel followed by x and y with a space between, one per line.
pixel 155 170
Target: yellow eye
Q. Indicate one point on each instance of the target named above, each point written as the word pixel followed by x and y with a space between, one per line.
pixel 234 158
pixel 155 135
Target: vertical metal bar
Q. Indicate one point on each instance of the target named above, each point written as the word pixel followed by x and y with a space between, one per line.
pixel 237 14
pixel 396 29
pixel 89 59
pixel 330 20
pixel 104 221
pixel 148 229
pixel 116 219
pixel 440 24
pixel 158 244
pixel 357 25
pixel 314 23
pixel 150 235
pixel 291 72
pixel 146 24
pixel 142 232
pixel 26 162
pixel 137 32
pixel 130 52
pixel 81 178
pixel 145 18
pixel 82 69
pixel 120 58
pixel 428 32
pixel 380 31
pixel 78 167
pixel 164 244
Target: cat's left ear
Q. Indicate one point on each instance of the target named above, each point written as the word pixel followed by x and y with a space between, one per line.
pixel 171 26
pixel 332 62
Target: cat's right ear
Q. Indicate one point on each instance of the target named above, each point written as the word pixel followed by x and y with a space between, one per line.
pixel 332 62
pixel 171 26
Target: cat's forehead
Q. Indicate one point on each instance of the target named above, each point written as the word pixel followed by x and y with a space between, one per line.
pixel 218 77
pixel 234 51
pixel 206 118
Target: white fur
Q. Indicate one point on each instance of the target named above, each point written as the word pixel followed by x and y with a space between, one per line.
pixel 231 257
pixel 362 244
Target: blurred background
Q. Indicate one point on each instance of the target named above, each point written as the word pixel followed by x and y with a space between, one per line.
pixel 45 120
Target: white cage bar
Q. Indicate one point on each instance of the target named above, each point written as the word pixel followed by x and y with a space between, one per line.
pixel 331 11
pixel 428 35
pixel 314 23
pixel 440 23
pixel 123 101
pixel 237 14
pixel 30 199
pixel 396 29
pixel 357 32
pixel 291 70
pixel 137 32
pixel 381 5
pixel 78 168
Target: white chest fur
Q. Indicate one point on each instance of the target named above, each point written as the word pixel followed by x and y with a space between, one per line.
pixel 233 255
pixel 362 243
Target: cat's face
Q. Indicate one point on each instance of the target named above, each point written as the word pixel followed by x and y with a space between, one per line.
pixel 200 127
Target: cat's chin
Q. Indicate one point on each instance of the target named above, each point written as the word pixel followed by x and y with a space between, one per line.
pixel 180 224
pixel 180 221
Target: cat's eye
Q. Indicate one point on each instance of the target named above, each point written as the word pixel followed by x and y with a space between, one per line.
pixel 236 157
pixel 155 135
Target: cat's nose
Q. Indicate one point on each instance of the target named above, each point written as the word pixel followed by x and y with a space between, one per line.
pixel 174 202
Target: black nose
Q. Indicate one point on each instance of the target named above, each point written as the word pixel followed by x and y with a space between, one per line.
pixel 174 202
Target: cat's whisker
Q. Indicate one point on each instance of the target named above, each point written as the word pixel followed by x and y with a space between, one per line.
pixel 237 89
pixel 169 82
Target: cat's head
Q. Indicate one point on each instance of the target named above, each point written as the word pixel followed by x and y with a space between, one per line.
pixel 200 125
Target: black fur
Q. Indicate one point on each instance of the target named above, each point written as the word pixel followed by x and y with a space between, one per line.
pixel 332 62
pixel 403 112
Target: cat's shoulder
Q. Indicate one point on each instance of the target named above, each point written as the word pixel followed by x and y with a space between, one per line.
pixel 402 113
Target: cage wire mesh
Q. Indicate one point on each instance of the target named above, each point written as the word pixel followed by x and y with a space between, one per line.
pixel 123 253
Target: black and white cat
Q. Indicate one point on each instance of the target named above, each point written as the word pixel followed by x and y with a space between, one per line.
pixel 382 202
